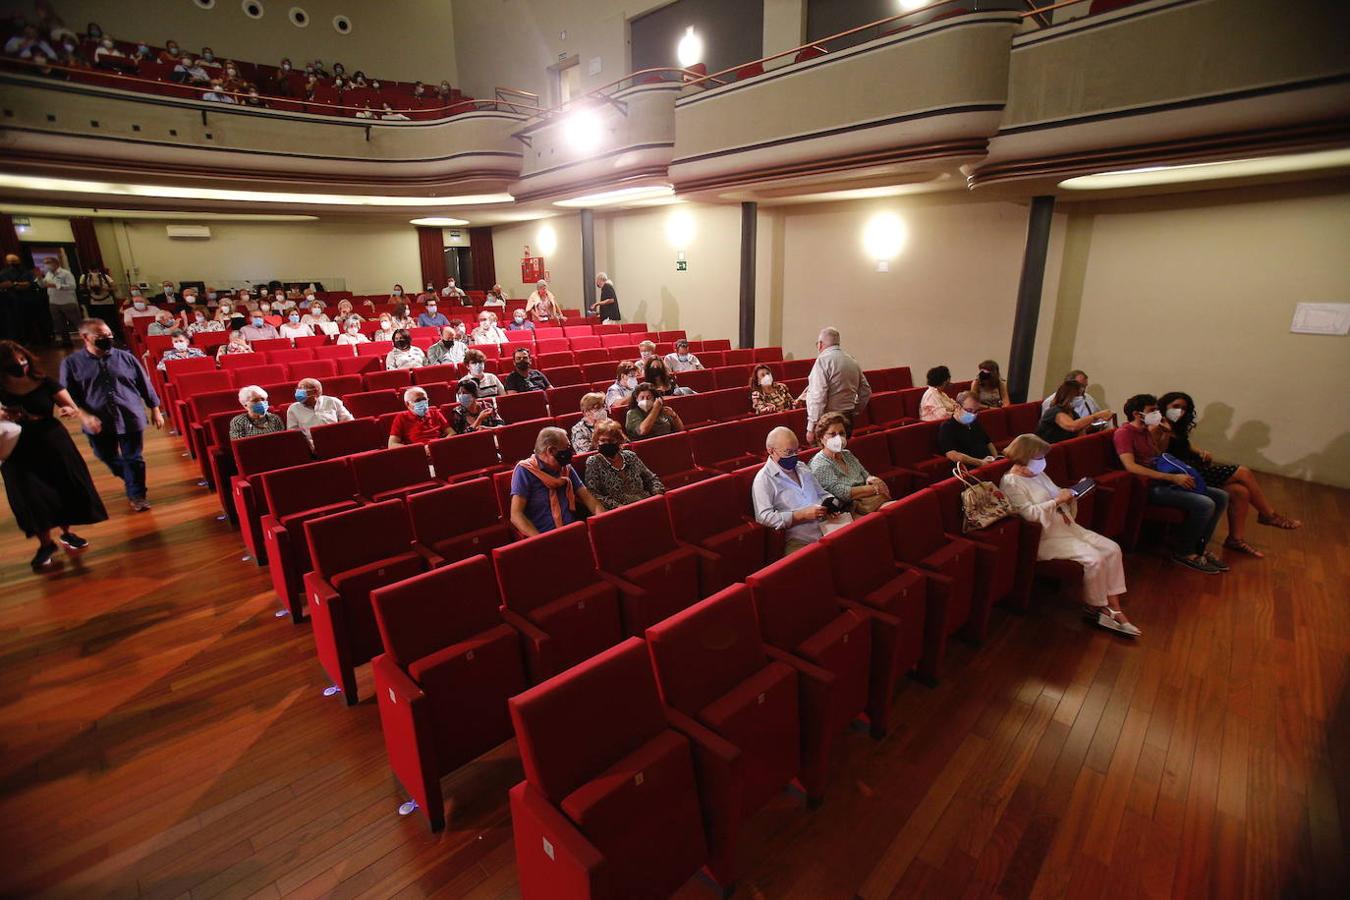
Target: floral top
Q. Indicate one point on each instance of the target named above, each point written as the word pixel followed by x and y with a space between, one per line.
pixel 619 487
pixel 412 358
pixel 839 476
pixel 771 399
pixel 189 353
pixel 208 325
pixel 245 426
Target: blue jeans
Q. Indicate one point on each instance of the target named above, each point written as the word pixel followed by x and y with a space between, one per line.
pixel 121 453
pixel 1203 512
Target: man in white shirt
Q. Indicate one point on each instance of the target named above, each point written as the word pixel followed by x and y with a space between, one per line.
pixel 139 309
pixel 453 294
pixel 312 407
pixel 65 305
pixel 487 331
pixel 786 495
pixel 682 360
pixel 836 384
pixel 1083 405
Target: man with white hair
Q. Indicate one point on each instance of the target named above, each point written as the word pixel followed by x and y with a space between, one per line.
pixel 487 331
pixel 256 418
pixel 837 383
pixel 312 407
pixel 545 488
pixel 420 422
pixel 787 496
pixel 542 306
pixel 607 307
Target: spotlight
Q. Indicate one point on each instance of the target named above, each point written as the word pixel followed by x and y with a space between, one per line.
pixel 689 51
pixel 582 130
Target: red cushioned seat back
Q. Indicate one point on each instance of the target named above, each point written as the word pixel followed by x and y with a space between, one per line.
pixel 341 385
pixel 536 572
pixel 733 377
pixel 910 398
pixel 566 374
pixel 307 487
pixel 519 407
pixel 177 368
pixel 208 403
pixel 378 471
pixel 391 378
pixel 434 610
pixel 886 407
pixel 1023 418
pixel 266 452
pixel 448 512
pixel 516 440
pixel 708 507
pixel 587 349
pixel 794 597
pixel 1057 463
pixel 916 526
pixel 632 534
pixel 575 331
pixel 190 384
pixel 701 380
pixel 739 358
pixel 358 537
pixel 549 346
pixel 259 374
pixel 667 454
pixel 284 357
pixel 571 727
pixel 707 649
pixel 445 372
pixel 995 424
pixel 860 557
pixel 1092 455
pixel 344 438
pixel 462 453
pixel 566 399
pixel 915 443
pixel 373 403
pixel 548 334
pixel 873 451
pixel 314 368
pixel 730 403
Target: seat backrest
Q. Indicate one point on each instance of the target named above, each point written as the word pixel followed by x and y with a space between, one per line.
pixel 373 403
pixel 260 374
pixel 733 376
pixel 667 454
pixel 738 358
pixel 699 380
pixel 911 397
pixel 519 407
pixel 872 451
pixel 451 511
pixel 345 438
pixel 446 372
pixel 794 597
pixel 307 487
pixel 267 452
pixel 313 368
pixel 916 526
pixel 888 406
pixel 208 403
pixel 566 399
pixel 614 533
pixel 516 441
pixel 463 453
pixel 385 470
pixel 358 537
pixel 1023 418
pixel 705 508
pixel 535 572
pixel 575 725
pixel 191 384
pixel 995 423
pixel 283 357
pixel 860 556
pixel 429 612
pixel 913 443
pixel 341 385
pixel 706 650
pixel 389 378
pixel 177 368
pixel 566 374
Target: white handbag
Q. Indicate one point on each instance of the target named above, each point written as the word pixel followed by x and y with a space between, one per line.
pixel 9 438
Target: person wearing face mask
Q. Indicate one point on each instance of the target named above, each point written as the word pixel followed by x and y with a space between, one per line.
pixel 351 333
pixel 489 385
pixel 258 328
pixel 432 317
pixel 495 297
pixel 107 56
pixel 313 407
pixel 607 306
pixel 841 473
pixel 989 387
pixel 962 439
pixel 208 58
pixel 293 327
pixel 616 475
pixel 524 377
pixel 593 413
pixel 787 497
pixel 1038 499
pixel 179 350
pixel 453 294
pixel 112 391
pixel 648 415
pixel 471 414
pixel 202 320
pixel 426 296
pixel 404 355
pixel 655 374
pixel 396 294
pixel 836 382
pixel 399 316
pixel 681 360
pixel 236 344
pixel 420 422
pixel 543 306
pixel 1238 482
pixel 386 330
pixel 545 489
pixel 281 303
pixel 1136 446
pixel 257 417
pixel 766 394
pixel 620 393
pixel 487 331
pixel 519 322
pixel 46 480
pixel 137 308
pixel 1060 421
pixel 450 348
pixel 62 298
pixel 164 325
pixel 646 353
pixel 170 53
pixel 1083 404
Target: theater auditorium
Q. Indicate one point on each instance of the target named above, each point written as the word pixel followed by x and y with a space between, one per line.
pixel 674 448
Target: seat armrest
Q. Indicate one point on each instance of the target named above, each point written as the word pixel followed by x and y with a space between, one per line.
pixel 434 560
pixel 553 857
pixel 537 644
pixel 707 743
pixel 700 552
pixel 870 612
pixel 624 586
pixel 808 671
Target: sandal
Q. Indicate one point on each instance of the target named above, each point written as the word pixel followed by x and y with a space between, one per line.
pixel 1215 561
pixel 1275 520
pixel 1111 620
pixel 1237 545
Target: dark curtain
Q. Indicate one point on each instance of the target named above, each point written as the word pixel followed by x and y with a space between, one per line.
pixel 431 248
pixel 480 252
pixel 86 243
pixel 9 241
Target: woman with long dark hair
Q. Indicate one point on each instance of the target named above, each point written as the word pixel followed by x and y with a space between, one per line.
pixel 46 479
pixel 1239 482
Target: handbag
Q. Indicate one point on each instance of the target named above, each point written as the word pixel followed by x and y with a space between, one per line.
pixel 1170 465
pixel 9 438
pixel 982 503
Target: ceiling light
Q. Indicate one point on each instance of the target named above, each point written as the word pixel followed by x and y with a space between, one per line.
pixel 689 51
pixel 911 5
pixel 582 130
pixel 884 237
pixel 1152 176
pixel 621 195
pixel 438 221
pixel 164 191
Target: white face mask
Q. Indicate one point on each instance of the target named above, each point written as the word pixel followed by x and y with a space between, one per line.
pixel 1036 466
pixel 630 382
pixel 766 379
pixel 834 443
pixel 645 404
pixel 1175 413
pixel 484 323
pixel 386 325
pixel 475 368
pixel 353 329
pixel 180 345
pixel 1153 418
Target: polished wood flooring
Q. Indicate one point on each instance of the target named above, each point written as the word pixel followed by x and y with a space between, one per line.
pixel 164 735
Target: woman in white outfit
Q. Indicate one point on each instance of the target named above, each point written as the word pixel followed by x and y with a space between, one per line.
pixel 1038 499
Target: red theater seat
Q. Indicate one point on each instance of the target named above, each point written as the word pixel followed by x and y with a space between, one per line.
pixel 393 473
pixel 293 497
pixel 442 683
pixel 1119 506
pixel 386 379
pixel 671 457
pixel 345 438
pixel 456 522
pixel 714 517
pixel 447 372
pixel 314 368
pixel 519 407
pixel 373 403
pixel 354 553
pixel 915 447
pixel 609 807
pixel 655 576
pixel 464 456
pixel 254 456
pixel 873 451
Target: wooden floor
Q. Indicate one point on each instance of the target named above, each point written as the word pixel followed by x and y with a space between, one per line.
pixel 163 735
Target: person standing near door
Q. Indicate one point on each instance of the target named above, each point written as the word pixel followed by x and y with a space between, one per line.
pixel 607 307
pixel 61 298
pixel 98 286
pixel 16 282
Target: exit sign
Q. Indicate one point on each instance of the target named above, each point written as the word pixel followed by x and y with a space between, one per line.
pixel 681 265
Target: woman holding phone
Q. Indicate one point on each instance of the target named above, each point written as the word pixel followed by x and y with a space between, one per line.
pixel 1038 499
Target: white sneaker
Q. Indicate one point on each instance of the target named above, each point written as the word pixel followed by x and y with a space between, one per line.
pixel 1106 618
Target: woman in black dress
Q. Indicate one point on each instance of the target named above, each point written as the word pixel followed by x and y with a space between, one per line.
pixel 1239 482
pixel 46 479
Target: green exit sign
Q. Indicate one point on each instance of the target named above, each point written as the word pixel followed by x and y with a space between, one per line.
pixel 681 265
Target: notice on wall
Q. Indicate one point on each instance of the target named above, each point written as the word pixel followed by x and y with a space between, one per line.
pixel 1321 318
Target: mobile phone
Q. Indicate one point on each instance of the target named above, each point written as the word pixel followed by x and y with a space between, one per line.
pixel 1083 487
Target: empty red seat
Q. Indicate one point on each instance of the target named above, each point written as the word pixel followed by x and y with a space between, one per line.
pixel 386 379
pixel 655 576
pixel 446 372
pixel 393 473
pixel 566 399
pixel 586 344
pixel 287 356
pixel 556 600
pixel 915 447
pixel 873 451
pixel 737 703
pixel 294 496
pixel 374 403
pixel 345 438
pixel 566 374
pixel 516 440
pixel 265 374
pixel 353 553
pixel 442 683
pixel 734 377
pixel 519 407
pixel 609 807
pixel 800 614
pixel 464 456
pixel 671 457
pixel 725 446
pixel 714 517
pixel 456 522
pixel 254 456
pixel 313 368
pixel 739 358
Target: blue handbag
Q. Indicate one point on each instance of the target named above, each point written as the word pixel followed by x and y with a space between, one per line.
pixel 1170 465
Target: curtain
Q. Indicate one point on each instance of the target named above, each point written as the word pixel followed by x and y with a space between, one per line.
pixel 9 241
pixel 431 248
pixel 484 274
pixel 86 243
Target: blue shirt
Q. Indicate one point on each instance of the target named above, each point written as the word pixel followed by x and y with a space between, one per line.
pixel 113 387
pixel 537 508
pixel 520 326
pixel 426 320
pixel 776 494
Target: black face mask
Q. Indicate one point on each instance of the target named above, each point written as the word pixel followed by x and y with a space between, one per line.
pixel 448 343
pixel 563 456
pixel 13 370
pixel 523 365
pixel 103 343
pixel 403 344
pixel 608 450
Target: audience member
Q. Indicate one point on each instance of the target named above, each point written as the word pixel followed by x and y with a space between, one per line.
pixel 419 423
pixel 1083 404
pixel 545 489
pixel 179 350
pixel 404 355
pixel 203 321
pixel 936 405
pixel 620 393
pixel 432 317
pixel 519 322
pixel 1239 482
pixel 607 307
pixel 615 475
pixel 487 331
pixel 962 439
pixel 315 316
pixel 646 352
pixel 648 415
pixel 836 384
pixel 454 294
pixel 1202 506
pixel 313 407
pixel 236 344
pixel 399 315
pixel 450 348
pixel 256 418
pixel 351 333
pixel 293 328
pixel 164 325
pixel 523 376
pixel 258 328
pixel 137 309
pixel 62 298
pixel 1038 499
pixel 495 297
pixel 471 414
pixel 385 331
pixel 593 412
pixel 767 395
pixel 661 380
pixel 345 312
pixel 841 473
pixel 681 360
pixel 786 496
pixel 989 387
pixel 1059 421
pixel 543 306
pixel 488 384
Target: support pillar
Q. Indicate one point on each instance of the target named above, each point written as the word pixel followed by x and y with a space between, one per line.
pixel 749 223
pixel 1029 298
pixel 587 261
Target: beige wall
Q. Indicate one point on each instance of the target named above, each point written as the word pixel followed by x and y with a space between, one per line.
pixel 402 40
pixel 563 264
pixel 43 228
